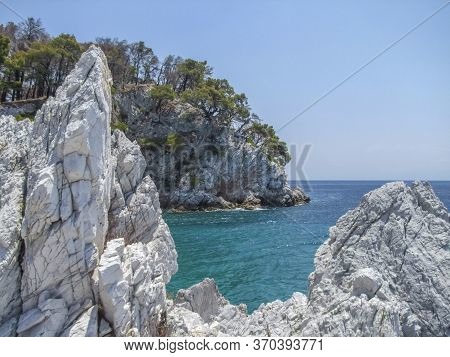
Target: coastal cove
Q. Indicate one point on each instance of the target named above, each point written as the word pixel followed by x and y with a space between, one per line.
pixel 263 255
pixel 145 177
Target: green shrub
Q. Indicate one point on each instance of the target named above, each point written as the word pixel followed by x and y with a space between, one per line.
pixel 118 124
pixel 20 117
pixel 145 142
pixel 194 181
pixel 162 95
pixel 173 140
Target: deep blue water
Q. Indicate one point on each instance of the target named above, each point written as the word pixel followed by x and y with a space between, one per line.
pixel 262 255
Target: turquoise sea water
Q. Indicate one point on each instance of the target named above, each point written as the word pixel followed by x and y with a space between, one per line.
pixel 262 255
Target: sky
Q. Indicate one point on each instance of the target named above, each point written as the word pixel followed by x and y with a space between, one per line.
pixel 390 121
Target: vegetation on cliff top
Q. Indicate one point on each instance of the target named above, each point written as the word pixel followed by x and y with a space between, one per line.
pixel 33 65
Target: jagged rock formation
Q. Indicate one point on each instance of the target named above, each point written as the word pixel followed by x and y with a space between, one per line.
pixel 84 191
pixel 134 269
pixel 65 221
pixel 384 271
pixel 195 164
pixel 84 250
pixel 199 164
pixel 13 150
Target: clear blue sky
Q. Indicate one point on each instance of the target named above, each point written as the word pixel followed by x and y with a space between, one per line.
pixel 392 121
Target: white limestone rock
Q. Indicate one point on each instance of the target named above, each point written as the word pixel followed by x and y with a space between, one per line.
pixel 46 320
pixel 202 311
pixel 145 260
pixel 114 287
pixel 203 298
pixel 85 326
pixel 132 288
pixel 384 271
pixel 366 281
pixel 68 188
pixel 13 170
pixel 104 329
pixel 186 323
pixel 82 194
pixel 9 327
pixel 278 318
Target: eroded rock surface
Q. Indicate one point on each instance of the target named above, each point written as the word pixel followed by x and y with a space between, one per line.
pixel 90 255
pixel 203 298
pixel 65 219
pixel 200 164
pixel 134 269
pixel 384 271
pixel 13 171
pixel 85 192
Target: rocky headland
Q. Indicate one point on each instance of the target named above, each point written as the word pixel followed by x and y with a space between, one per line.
pixel 84 250
pixel 199 163
pixel 196 163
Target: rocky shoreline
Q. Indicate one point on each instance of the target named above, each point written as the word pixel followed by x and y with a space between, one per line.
pixel 84 250
pixel 245 206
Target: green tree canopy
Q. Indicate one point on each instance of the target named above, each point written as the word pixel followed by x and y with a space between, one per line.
pixel 265 137
pixel 191 74
pixel 217 99
pixel 143 60
pixel 48 63
pixel 161 95
pixel 4 49
pixel 68 51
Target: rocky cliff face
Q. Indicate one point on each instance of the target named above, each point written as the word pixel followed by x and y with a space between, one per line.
pixel 84 250
pixel 197 163
pixel 384 271
pixel 68 270
pixel 14 146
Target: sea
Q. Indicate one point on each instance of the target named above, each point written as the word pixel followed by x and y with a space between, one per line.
pixel 262 255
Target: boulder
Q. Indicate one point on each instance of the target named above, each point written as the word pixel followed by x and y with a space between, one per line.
pixel 203 298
